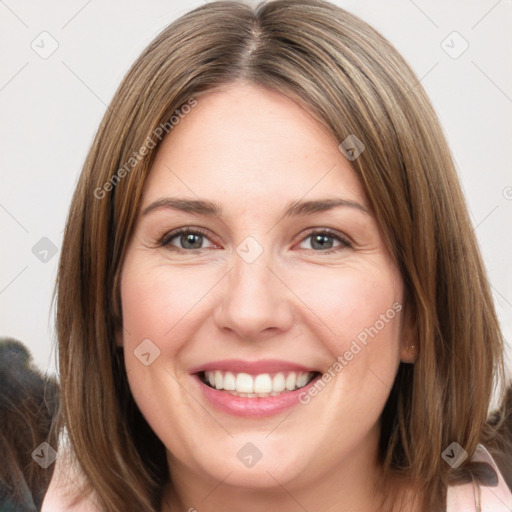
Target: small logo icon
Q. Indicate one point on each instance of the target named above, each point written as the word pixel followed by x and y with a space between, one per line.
pixel 454 455
pixel 454 45
pixel 351 147
pixel 44 455
pixel 44 45
pixel 44 250
pixel 249 454
pixel 249 249
pixel 146 352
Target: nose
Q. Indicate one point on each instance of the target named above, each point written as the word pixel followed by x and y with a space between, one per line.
pixel 255 300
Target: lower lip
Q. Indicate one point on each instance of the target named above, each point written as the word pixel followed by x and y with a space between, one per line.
pixel 251 407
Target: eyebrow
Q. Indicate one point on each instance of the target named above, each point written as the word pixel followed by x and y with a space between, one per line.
pixel 292 208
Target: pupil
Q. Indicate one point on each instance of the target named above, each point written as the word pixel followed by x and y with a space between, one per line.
pixel 321 239
pixel 189 238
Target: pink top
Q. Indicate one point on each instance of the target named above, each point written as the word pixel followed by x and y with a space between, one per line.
pixel 480 498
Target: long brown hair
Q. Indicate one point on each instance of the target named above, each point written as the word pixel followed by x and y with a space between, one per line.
pixel 355 83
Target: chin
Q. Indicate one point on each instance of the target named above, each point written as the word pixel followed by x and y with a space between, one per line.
pixel 256 463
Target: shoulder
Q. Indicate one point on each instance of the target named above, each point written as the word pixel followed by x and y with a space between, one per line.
pixel 65 493
pixel 492 497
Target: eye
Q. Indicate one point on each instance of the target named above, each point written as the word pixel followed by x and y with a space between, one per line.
pixel 322 240
pixel 189 239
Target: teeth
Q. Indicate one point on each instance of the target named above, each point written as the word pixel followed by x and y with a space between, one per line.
pixel 262 385
pixel 218 380
pixel 278 383
pixel 302 380
pixel 243 383
pixel 229 381
pixel 291 381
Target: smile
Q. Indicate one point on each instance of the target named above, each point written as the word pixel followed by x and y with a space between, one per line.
pixel 262 385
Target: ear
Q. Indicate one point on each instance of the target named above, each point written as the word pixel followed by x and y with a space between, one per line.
pixel 409 349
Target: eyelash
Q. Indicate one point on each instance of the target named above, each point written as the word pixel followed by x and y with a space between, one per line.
pixel 168 237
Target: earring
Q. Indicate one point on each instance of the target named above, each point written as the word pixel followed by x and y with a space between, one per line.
pixel 414 353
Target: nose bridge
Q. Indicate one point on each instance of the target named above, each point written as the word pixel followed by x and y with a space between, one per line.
pixel 253 296
pixel 251 265
pixel 251 278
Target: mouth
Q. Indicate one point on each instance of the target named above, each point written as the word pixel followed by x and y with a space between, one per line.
pixel 256 389
pixel 262 385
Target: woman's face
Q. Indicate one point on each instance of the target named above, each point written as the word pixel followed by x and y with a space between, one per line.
pixel 266 296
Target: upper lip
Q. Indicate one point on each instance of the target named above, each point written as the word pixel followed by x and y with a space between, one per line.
pixel 252 367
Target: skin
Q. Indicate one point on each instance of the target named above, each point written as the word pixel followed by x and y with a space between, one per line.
pixel 252 150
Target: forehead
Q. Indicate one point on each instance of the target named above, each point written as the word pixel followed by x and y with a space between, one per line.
pixel 245 141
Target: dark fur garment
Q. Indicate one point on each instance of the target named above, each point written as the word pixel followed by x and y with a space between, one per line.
pixel 28 404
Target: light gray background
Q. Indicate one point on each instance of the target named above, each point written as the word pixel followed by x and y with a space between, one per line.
pixel 51 107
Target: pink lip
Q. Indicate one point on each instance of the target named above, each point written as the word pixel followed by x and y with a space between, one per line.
pixel 252 367
pixel 252 407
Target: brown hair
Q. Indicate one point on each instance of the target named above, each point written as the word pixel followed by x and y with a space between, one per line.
pixel 355 83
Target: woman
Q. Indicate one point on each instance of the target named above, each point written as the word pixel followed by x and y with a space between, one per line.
pixel 312 348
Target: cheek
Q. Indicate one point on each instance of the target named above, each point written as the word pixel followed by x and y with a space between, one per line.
pixel 161 311
pixel 154 305
pixel 352 303
pixel 160 302
pixel 357 312
pixel 151 306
